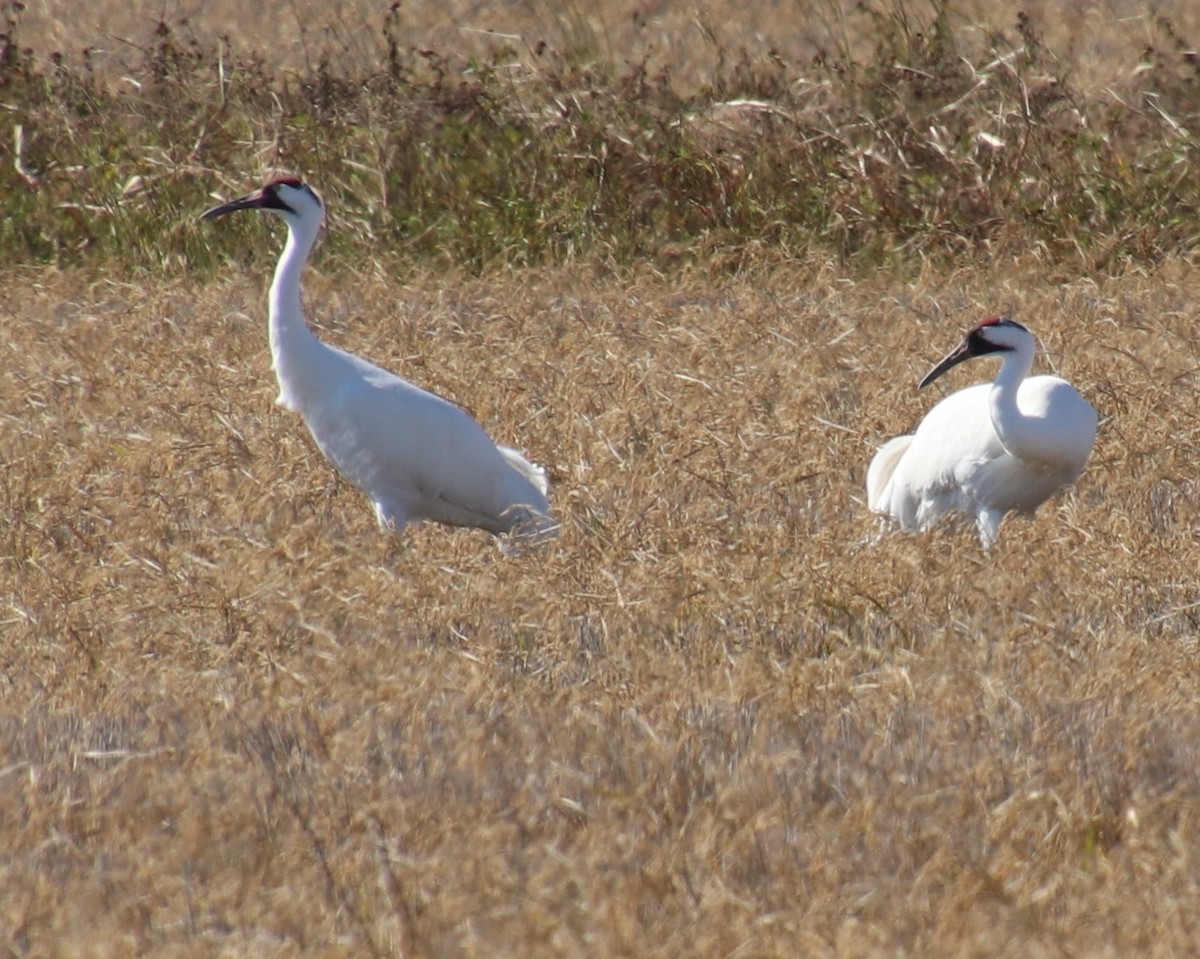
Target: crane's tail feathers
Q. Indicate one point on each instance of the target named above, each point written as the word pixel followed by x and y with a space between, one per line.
pixel 528 521
pixel 531 528
pixel 879 473
pixel 531 471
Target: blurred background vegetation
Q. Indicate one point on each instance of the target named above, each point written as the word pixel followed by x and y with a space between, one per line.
pixel 894 132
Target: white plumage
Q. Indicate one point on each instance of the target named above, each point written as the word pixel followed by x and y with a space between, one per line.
pixel 417 456
pixel 987 449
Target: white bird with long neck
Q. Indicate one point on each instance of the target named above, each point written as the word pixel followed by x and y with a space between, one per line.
pixel 990 448
pixel 417 456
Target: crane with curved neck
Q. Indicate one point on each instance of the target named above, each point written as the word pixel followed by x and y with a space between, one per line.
pixel 416 455
pixel 988 449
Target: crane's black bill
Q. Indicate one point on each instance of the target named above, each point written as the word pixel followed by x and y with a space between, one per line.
pixel 961 352
pixel 252 201
pixel 265 199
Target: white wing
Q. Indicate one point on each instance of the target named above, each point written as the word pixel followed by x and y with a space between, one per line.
pixel 415 454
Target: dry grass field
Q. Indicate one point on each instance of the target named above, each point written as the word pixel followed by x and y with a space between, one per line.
pixel 719 717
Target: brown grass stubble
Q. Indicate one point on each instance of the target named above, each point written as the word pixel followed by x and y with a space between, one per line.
pixel 714 716
pixel 691 42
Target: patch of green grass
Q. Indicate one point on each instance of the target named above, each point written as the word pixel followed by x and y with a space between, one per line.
pixel 936 143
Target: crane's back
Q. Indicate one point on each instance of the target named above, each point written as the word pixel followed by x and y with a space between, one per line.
pixel 418 456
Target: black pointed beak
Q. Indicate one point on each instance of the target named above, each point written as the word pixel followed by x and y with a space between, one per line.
pixel 961 352
pixel 251 201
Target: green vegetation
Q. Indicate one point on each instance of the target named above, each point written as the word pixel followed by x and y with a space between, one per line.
pixel 919 140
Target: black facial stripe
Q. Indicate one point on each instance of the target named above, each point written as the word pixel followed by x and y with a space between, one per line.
pixel 271 201
pixel 981 346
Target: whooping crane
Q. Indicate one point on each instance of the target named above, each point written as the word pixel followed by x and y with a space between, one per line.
pixel 989 448
pixel 417 456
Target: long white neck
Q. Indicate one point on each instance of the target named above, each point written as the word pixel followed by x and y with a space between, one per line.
pixel 294 347
pixel 1014 428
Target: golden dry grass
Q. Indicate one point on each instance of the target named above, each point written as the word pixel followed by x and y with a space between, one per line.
pixel 715 719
